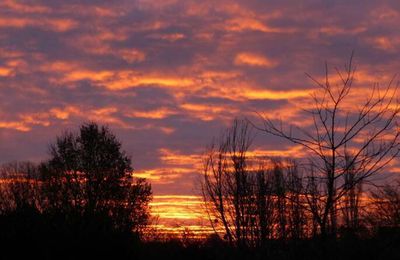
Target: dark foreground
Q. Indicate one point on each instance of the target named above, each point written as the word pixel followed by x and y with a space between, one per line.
pixel 114 248
pixel 31 238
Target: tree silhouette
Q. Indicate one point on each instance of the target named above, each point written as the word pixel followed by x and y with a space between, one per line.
pixel 226 184
pixel 89 174
pixel 384 210
pixel 251 199
pixel 344 136
pixel 20 187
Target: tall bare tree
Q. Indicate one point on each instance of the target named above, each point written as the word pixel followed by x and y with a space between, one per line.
pixel 226 183
pixel 367 129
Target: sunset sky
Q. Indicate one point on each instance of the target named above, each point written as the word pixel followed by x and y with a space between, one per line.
pixel 167 75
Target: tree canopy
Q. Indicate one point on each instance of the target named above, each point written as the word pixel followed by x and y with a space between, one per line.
pixel 90 174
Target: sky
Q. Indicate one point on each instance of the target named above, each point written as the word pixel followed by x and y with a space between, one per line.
pixel 167 75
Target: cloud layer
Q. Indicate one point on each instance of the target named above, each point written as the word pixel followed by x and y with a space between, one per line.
pixel 168 75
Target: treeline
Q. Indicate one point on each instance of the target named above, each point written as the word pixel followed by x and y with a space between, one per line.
pixel 253 200
pixel 329 194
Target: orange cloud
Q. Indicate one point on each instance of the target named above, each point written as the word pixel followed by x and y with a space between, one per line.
pixel 173 158
pixel 128 79
pixel 252 59
pixel 212 76
pixel 206 112
pixel 55 24
pixel 117 79
pixel 20 126
pixel 97 76
pixel 175 214
pixel 242 24
pixel 153 114
pixel 64 113
pixel 61 25
pixel 24 8
pixel 178 207
pixel 385 43
pixel 6 72
pixel 275 94
pixel 26 120
pixel 291 152
pixel 151 175
pixel 171 37
pixel 35 119
pixel 108 116
pixel 132 55
pixel 166 175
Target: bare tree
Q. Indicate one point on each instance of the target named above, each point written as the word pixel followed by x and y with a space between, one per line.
pixel 265 203
pixel 351 201
pixel 251 199
pixel 225 186
pixel 280 191
pixel 296 211
pixel 368 131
